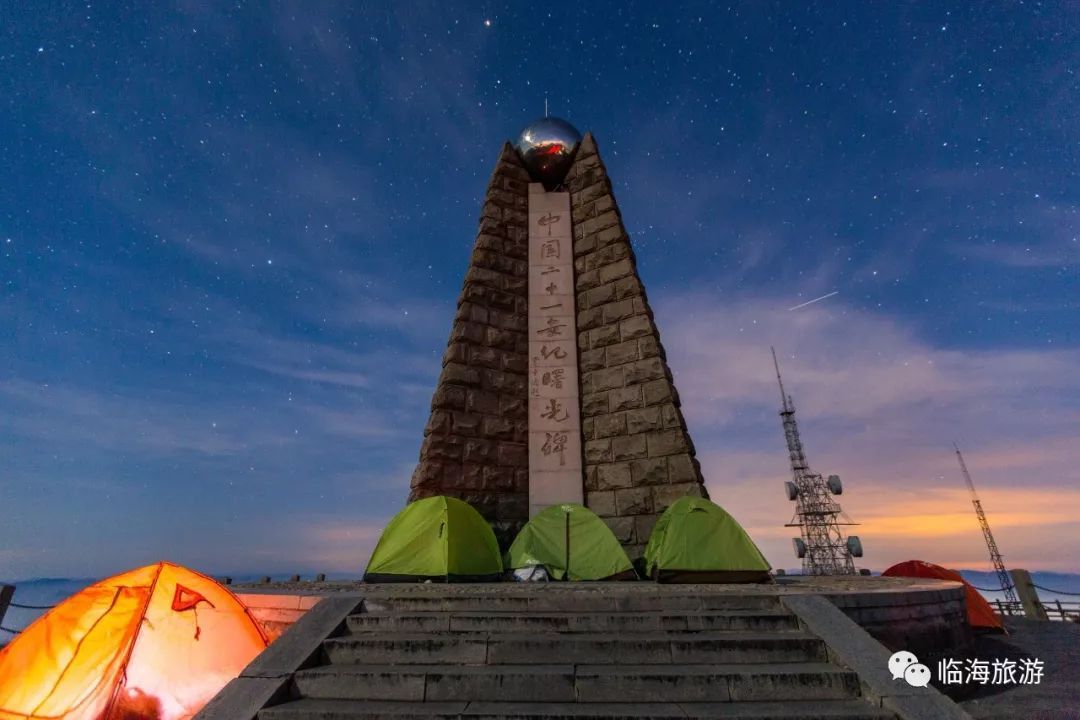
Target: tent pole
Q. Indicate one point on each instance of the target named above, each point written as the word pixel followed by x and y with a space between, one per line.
pixel 567 547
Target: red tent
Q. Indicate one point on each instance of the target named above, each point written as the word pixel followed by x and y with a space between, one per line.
pixel 980 614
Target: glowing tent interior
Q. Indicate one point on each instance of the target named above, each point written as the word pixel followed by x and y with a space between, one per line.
pixel 980 614
pixel 156 643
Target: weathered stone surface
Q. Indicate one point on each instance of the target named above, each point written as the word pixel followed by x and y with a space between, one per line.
pixel 644 420
pixel 615 475
pixel 479 450
pixel 664 495
pixel 512 505
pixel 586 281
pixel 438 422
pixel 622 527
pixel 649 347
pixel 481 401
pixel 644 370
pixel 616 270
pixel 607 379
pixel 633 501
pixel 671 416
pixel 498 479
pixel 591 483
pixel 603 336
pixel 588 426
pixel 590 318
pixel 597 451
pixel 643 527
pixel 635 327
pixel 473 446
pixel 628 287
pixel 615 311
pixel 456 374
pixel 626 398
pixel 595 404
pixel 512 406
pixel 628 447
pixel 601 502
pixel 621 353
pixel 657 391
pixel 513 454
pixel 682 468
pixel 472 477
pixel 592 360
pixel 600 295
pixel 667 442
pixel 443 447
pixel 649 471
pixel 498 427
pixel 610 425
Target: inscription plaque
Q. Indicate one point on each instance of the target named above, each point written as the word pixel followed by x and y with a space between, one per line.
pixel 555 469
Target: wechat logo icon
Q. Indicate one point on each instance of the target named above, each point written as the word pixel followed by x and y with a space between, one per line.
pixel 904 665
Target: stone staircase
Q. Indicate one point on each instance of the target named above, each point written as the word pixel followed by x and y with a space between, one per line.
pixel 557 652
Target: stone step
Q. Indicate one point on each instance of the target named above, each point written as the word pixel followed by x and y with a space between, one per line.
pixel 309 709
pixel 629 622
pixel 581 683
pixel 564 601
pixel 541 648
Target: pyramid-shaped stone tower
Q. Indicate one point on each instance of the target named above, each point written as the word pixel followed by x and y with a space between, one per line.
pixel 636 456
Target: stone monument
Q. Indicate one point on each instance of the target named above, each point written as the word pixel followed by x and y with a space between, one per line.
pixel 522 416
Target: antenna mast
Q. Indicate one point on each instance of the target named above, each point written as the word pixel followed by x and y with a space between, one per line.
pixel 822 546
pixel 995 554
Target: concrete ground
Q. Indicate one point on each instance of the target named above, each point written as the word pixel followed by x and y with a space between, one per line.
pixel 1057 697
pixel 784 585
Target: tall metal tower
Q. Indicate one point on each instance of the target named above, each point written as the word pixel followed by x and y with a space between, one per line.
pixel 822 546
pixel 995 554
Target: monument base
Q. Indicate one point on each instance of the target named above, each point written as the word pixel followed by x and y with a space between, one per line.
pixel 603 650
pixel 920 615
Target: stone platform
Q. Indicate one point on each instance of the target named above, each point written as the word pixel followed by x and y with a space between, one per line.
pixel 789 649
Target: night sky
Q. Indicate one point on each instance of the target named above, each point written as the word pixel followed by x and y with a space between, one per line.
pixel 232 237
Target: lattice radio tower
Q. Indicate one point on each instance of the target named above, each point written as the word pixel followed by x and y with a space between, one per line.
pixel 822 546
pixel 995 554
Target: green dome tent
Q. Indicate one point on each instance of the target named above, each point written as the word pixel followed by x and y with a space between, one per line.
pixel 442 539
pixel 571 542
pixel 696 540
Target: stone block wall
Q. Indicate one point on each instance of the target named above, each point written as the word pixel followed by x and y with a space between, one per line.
pixel 476 441
pixel 637 452
pixel 638 457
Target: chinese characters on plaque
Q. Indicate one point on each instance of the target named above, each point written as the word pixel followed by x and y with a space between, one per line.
pixel 555 468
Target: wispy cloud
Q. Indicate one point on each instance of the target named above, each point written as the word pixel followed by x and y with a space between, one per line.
pixel 880 406
pixel 844 362
pixel 65 415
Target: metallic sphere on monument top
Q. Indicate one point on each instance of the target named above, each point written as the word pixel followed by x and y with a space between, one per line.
pixel 547 148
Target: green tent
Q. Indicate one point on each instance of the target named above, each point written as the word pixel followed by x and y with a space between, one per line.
pixel 442 539
pixel 571 542
pixel 696 540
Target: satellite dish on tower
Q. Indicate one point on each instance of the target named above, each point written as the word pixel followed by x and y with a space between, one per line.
pixel 800 547
pixel 854 545
pixel 792 491
pixel 834 485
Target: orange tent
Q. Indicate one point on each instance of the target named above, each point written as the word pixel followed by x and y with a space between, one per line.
pixel 980 614
pixel 151 644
